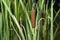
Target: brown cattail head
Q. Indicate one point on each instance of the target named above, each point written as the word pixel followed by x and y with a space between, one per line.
pixel 33 18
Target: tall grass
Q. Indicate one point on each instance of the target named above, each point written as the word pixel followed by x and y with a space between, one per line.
pixel 17 22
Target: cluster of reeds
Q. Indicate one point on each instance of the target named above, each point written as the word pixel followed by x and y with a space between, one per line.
pixel 16 20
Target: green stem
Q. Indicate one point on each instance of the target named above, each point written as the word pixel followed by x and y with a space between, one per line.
pixel 51 29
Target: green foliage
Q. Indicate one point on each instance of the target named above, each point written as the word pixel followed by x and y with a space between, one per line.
pixel 17 24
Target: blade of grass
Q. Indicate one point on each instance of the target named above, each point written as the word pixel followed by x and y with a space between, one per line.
pixel 15 8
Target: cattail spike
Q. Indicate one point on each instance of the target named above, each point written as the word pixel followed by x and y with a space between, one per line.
pixel 33 18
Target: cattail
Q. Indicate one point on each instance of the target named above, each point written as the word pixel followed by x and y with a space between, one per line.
pixel 33 18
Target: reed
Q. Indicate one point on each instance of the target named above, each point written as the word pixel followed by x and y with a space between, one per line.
pixel 18 25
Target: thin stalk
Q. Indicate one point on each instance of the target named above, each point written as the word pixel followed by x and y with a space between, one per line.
pixel 51 29
pixel 37 26
pixel 15 9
